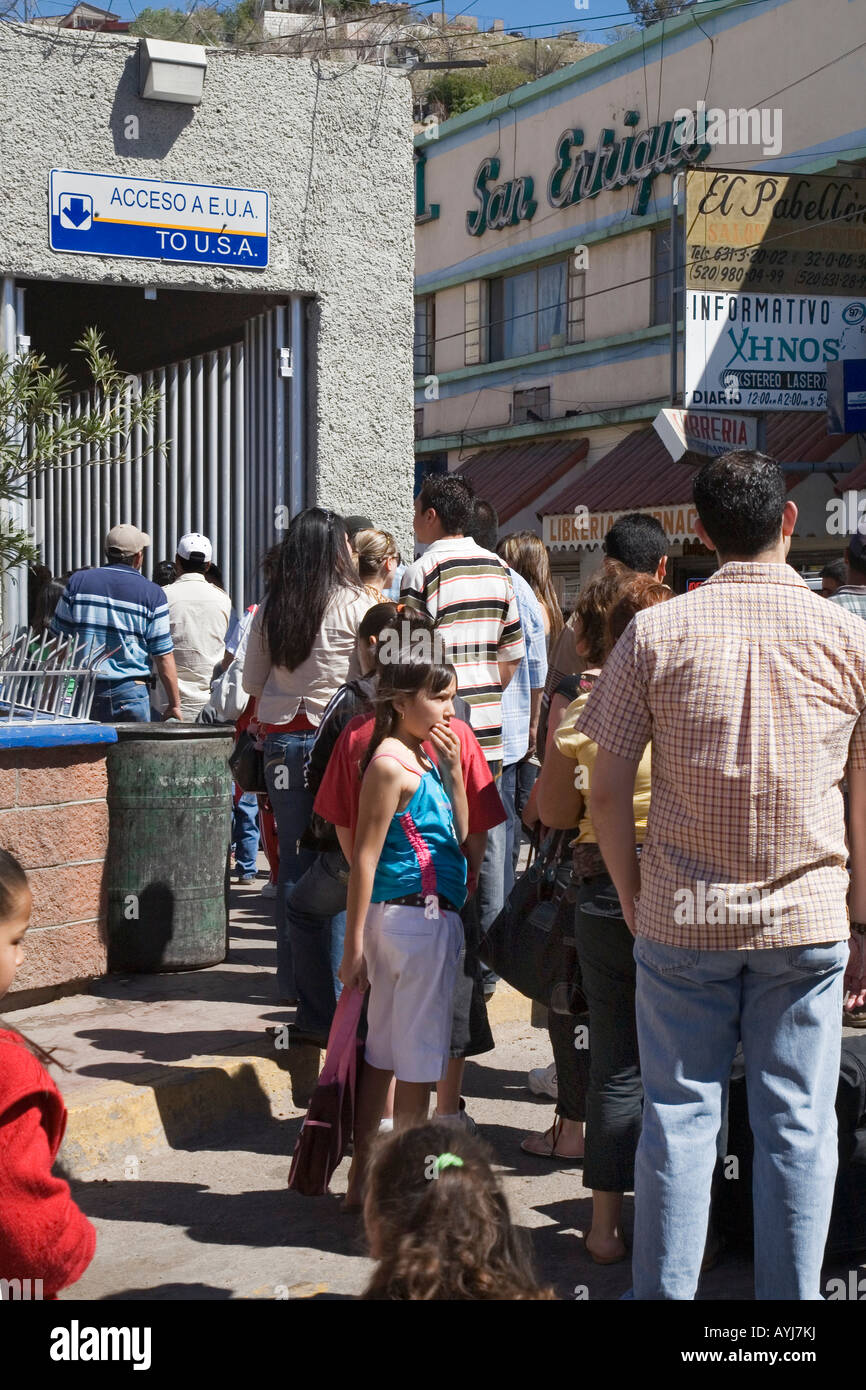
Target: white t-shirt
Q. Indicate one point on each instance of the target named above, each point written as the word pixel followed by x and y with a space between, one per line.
pixel 198 615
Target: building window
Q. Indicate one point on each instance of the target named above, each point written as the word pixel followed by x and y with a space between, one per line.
pixel 419 422
pixel 576 304
pixel 660 300
pixel 531 405
pixel 536 309
pixel 425 335
pixel 476 322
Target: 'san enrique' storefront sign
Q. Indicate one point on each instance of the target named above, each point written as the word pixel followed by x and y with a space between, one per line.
pixel 579 173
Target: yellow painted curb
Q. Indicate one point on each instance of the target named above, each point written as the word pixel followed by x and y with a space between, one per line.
pixel 114 1123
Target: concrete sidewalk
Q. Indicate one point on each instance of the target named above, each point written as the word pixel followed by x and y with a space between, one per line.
pixel 214 1220
pixel 183 1114
pixel 161 1061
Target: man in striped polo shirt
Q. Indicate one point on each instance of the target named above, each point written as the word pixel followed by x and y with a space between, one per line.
pixel 468 593
pixel 115 608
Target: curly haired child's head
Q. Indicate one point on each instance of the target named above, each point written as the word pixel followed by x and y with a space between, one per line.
pixel 636 592
pixel 438 1224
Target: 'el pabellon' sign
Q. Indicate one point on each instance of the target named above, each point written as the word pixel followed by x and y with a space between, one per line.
pixel 579 174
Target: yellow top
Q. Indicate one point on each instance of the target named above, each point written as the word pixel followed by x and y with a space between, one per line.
pixel 584 752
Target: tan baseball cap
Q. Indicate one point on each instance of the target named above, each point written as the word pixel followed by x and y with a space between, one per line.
pixel 127 539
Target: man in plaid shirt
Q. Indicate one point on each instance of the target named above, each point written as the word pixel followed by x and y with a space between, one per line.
pixel 752 691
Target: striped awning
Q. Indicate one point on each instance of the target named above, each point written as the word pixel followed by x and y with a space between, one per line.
pixel 510 479
pixel 638 474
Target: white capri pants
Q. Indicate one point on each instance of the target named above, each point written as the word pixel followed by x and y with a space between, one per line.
pixel 412 968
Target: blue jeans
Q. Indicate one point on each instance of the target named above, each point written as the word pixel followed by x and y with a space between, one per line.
pixel 245 832
pixel 121 702
pixel 316 917
pixel 491 888
pixel 692 1009
pixel 518 779
pixel 292 805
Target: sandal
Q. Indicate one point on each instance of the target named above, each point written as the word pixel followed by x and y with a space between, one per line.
pixel 544 1145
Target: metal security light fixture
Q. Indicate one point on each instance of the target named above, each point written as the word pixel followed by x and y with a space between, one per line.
pixel 171 71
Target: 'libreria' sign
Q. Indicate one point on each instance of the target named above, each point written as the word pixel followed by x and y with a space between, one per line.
pixel 158 220
pixel 580 173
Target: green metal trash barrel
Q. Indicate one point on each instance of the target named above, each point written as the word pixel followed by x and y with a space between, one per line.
pixel 169 828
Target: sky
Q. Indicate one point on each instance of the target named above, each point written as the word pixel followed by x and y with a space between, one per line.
pixel 539 17
pixel 535 17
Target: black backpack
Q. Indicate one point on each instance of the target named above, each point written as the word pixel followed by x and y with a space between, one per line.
pixel 732 1200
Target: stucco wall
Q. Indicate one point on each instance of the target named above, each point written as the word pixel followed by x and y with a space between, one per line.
pixel 332 146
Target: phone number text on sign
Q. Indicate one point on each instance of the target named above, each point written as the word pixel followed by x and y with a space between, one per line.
pixel 786 232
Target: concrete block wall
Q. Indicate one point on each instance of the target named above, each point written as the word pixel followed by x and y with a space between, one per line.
pixel 54 819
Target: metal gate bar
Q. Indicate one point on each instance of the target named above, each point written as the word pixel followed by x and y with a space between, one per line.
pixel 231 456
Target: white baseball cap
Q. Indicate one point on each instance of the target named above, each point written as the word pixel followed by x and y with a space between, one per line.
pixel 195 544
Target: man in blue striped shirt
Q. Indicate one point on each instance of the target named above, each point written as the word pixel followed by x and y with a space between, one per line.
pixel 114 607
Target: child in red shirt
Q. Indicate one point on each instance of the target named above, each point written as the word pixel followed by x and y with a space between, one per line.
pixel 43 1235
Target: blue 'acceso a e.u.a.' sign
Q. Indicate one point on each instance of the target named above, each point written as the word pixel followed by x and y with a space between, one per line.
pixel 157 220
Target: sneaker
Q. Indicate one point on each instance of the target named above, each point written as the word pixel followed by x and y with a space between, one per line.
pixel 269 890
pixel 462 1120
pixel 386 1126
pixel 542 1081
pixel 244 880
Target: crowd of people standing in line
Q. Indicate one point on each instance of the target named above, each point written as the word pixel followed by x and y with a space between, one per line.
pixel 413 718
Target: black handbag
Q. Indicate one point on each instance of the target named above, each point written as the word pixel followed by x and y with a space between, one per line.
pixel 531 944
pixel 247 763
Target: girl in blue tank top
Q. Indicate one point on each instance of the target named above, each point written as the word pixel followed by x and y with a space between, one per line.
pixel 406 886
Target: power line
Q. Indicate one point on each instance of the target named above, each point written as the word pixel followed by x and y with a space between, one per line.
pixel 720 163
pixel 639 280
pixel 509 40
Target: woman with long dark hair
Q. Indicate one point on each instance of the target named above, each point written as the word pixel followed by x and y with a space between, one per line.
pixel 302 646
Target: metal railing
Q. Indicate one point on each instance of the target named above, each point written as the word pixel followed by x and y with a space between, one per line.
pixel 43 677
